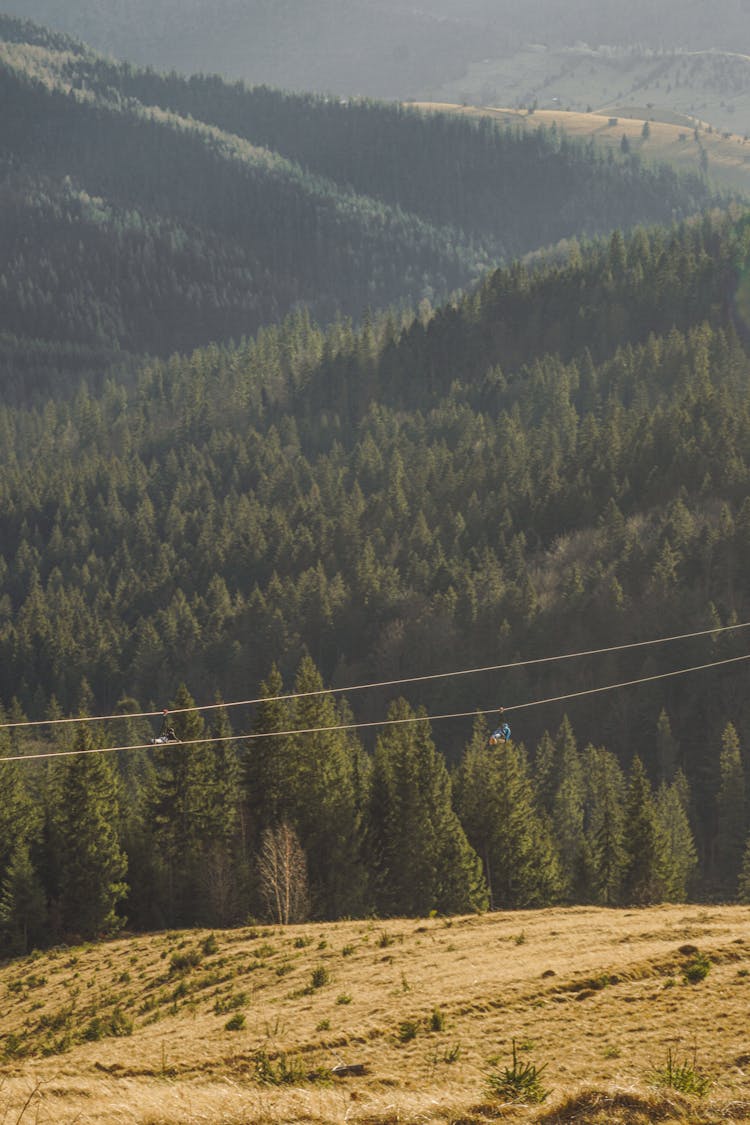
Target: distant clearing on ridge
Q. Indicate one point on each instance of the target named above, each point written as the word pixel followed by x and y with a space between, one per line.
pixel 245 1025
pixel 709 85
pixel 680 144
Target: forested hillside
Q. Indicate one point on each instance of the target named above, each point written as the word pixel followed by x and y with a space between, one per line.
pixel 558 461
pixel 381 48
pixel 143 214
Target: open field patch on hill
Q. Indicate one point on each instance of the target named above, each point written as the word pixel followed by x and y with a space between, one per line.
pixel 249 1024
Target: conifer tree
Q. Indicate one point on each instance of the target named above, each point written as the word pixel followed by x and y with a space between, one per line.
pixel 545 772
pixel 324 800
pixel 644 858
pixel 419 854
pixel 679 855
pixel 731 812
pixel 92 863
pixel 495 802
pixel 267 768
pixel 19 821
pixel 225 875
pixel 605 793
pixel 568 815
pixel 181 811
pixel 23 909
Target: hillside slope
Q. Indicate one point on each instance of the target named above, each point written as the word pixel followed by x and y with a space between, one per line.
pixel 139 1030
pixel 682 86
pixel 146 214
pixel 685 145
pixel 382 48
pixel 558 461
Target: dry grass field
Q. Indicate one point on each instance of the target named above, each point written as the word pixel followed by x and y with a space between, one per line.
pixel 246 1025
pixel 673 142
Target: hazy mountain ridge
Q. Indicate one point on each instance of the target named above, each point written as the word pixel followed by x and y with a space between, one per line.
pixel 385 48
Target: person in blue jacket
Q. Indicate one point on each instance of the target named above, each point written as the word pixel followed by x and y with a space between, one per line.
pixel 502 734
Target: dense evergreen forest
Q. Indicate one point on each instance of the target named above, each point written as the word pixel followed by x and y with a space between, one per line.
pixel 559 460
pixel 556 459
pixel 142 214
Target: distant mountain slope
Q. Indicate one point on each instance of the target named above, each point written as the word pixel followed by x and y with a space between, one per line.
pixel 558 460
pixel 382 48
pixel 143 213
pixel 684 86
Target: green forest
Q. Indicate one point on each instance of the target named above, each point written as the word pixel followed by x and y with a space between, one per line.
pixel 557 461
pixel 372 480
pixel 143 214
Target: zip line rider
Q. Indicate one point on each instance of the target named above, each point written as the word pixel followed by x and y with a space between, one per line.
pixel 502 734
pixel 166 734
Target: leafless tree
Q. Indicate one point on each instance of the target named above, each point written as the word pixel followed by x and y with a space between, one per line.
pixel 282 868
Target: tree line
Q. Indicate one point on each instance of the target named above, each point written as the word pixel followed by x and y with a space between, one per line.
pixel 312 825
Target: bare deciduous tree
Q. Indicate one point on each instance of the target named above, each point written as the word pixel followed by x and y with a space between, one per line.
pixel 282 868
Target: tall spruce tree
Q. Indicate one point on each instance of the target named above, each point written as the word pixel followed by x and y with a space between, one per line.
pixel 568 815
pixel 731 813
pixel 418 851
pixel 679 855
pixel 181 812
pixel 605 795
pixel 325 811
pixel 495 802
pixel 643 881
pixel 92 863
pixel 23 907
pixel 224 874
pixel 268 767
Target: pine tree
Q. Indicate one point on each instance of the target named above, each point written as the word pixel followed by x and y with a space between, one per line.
pixel 419 854
pixel 225 877
pixel 19 820
pixel 731 812
pixel 644 859
pixel 605 793
pixel 23 909
pixel 321 785
pixel 268 767
pixel 92 863
pixel 568 815
pixel 496 805
pixel 180 809
pixel 546 772
pixel 679 855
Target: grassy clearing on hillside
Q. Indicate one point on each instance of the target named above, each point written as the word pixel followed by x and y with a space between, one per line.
pixel 247 1025
pixel 711 85
pixel 728 154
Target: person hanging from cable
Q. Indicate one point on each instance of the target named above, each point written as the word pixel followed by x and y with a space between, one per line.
pixel 502 734
pixel 166 734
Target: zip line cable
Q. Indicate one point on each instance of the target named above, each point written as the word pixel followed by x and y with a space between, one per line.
pixel 255 735
pixel 369 686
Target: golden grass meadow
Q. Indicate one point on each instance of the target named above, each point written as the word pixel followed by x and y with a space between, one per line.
pixel 605 1009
